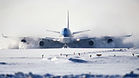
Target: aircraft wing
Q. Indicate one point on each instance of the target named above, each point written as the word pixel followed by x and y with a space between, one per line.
pixel 35 42
pixel 126 35
pixel 49 43
pixel 100 42
pixel 81 42
pixel 41 42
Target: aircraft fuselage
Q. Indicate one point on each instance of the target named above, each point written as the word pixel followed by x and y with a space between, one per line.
pixel 66 36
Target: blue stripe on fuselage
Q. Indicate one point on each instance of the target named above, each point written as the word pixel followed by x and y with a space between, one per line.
pixel 66 32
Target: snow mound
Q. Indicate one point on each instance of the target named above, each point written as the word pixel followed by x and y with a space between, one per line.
pixel 77 60
pixel 3 63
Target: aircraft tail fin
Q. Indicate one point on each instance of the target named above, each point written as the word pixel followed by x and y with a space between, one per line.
pixel 68 19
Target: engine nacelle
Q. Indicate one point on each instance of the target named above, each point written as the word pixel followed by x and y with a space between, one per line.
pixel 91 42
pixel 24 40
pixel 41 43
pixel 109 40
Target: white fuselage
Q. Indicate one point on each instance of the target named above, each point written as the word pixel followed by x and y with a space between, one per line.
pixel 66 40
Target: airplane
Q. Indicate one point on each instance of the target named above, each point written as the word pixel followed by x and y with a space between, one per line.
pixel 68 40
pixel 66 36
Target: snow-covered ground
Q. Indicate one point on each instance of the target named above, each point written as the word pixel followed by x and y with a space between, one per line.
pixel 69 61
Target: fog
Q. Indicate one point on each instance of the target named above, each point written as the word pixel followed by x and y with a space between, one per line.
pixel 103 17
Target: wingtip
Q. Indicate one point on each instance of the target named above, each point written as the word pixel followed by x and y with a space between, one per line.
pixel 3 35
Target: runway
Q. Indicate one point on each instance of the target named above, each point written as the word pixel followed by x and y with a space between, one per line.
pixel 69 61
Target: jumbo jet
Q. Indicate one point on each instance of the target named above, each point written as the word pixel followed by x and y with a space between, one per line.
pixel 67 39
pixel 66 36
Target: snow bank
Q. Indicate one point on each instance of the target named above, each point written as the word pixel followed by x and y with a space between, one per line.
pixel 31 75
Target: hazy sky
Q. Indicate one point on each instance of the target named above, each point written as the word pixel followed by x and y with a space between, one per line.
pixel 33 17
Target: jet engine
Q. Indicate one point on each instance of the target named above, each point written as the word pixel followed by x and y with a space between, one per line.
pixel 109 40
pixel 41 43
pixel 24 40
pixel 91 42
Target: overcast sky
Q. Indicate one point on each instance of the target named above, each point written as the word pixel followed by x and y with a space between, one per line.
pixel 33 17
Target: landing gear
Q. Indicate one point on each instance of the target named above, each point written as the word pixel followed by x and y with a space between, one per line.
pixel 65 46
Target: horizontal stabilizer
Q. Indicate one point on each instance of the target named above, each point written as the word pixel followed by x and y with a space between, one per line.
pixel 80 31
pixel 53 31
